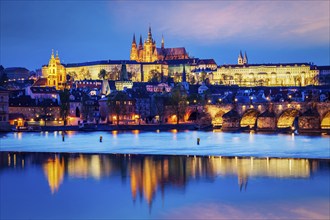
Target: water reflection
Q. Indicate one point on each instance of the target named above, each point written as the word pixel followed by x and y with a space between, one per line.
pixel 150 174
pixel 54 172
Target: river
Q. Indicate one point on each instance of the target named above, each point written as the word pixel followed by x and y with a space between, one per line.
pixel 171 143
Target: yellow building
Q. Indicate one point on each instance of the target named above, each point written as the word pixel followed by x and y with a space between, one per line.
pixel 55 72
pixel 282 74
pixel 148 52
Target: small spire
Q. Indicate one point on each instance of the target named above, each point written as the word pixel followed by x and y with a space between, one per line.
pixel 52 53
pixel 140 44
pixel 162 42
pixel 56 53
pixel 245 59
pixel 240 54
pixel 149 33
pixel 134 42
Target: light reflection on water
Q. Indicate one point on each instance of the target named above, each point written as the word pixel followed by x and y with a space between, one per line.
pixel 152 180
pixel 171 143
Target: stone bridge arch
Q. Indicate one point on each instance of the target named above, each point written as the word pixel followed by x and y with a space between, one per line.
pixel 325 121
pixel 217 119
pixel 287 118
pixel 249 118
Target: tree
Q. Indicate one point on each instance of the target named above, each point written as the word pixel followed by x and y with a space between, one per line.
pixel 65 104
pixel 87 108
pixel 177 77
pixel 154 76
pixel 73 75
pixel 102 74
pixel 203 76
pixel 192 80
pixel 178 102
pixel 159 105
pixel 114 73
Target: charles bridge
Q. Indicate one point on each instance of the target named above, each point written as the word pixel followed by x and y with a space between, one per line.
pixel 270 116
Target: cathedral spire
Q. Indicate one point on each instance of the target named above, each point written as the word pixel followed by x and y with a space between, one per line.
pixel 149 34
pixel 240 54
pixel 140 43
pixel 240 58
pixel 163 42
pixel 245 59
pixel 57 54
pixel 52 56
pixel 134 42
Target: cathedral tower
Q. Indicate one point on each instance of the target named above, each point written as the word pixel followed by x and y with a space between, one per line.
pixel 55 72
pixel 240 58
pixel 245 59
pixel 149 48
pixel 134 52
pixel 163 43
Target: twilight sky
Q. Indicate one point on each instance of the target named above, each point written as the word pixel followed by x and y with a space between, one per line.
pixel 270 31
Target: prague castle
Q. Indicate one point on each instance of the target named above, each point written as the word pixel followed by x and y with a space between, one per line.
pixel 280 74
pixel 148 52
pixel 146 60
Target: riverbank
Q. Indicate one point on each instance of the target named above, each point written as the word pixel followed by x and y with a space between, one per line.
pixel 169 127
pixel 103 127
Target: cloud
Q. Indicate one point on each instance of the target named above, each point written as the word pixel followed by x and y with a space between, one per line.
pixel 212 21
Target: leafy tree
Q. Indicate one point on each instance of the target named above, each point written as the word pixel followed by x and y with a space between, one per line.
pixel 159 105
pixel 192 80
pixel 154 76
pixel 102 74
pixel 65 104
pixel 87 108
pixel 3 75
pixel 73 75
pixel 114 73
pixel 203 76
pixel 177 77
pixel 178 101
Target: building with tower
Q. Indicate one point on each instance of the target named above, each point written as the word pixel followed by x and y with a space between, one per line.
pixel 55 72
pixel 148 52
pixel 269 74
pixel 242 60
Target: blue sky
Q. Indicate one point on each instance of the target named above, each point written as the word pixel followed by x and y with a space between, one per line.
pixel 270 31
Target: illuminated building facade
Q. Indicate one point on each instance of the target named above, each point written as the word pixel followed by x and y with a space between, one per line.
pixel 282 74
pixel 148 52
pixel 55 72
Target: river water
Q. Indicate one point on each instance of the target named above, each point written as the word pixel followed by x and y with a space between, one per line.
pixel 152 175
pixel 171 143
pixel 109 186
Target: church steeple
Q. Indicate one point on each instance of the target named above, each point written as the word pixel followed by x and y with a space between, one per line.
pixel 240 58
pixel 140 44
pixel 163 42
pixel 134 53
pixel 149 35
pixel 134 42
pixel 52 56
pixel 245 59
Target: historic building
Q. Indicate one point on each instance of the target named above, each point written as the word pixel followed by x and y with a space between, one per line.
pixel 281 74
pixel 148 52
pixel 55 72
pixel 4 111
